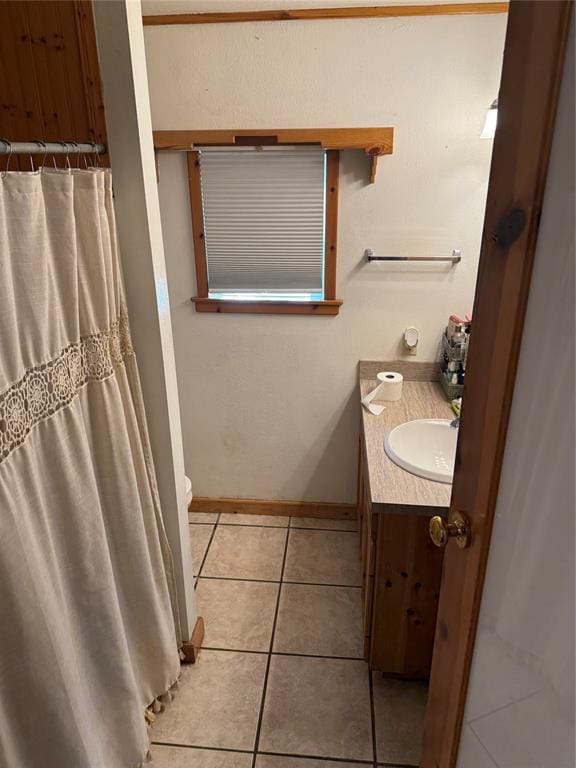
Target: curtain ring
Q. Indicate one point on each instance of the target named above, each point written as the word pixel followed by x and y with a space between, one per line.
pixel 75 146
pixel 67 145
pixel 45 148
pixel 97 153
pixel 9 143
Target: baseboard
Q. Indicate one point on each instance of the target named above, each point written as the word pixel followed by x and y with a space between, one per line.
pixel 191 649
pixel 318 509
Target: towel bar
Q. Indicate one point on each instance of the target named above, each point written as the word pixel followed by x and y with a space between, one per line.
pixel 456 257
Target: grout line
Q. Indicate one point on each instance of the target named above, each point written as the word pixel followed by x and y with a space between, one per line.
pixel 269 660
pixel 503 706
pixel 372 718
pixel 396 765
pixel 484 749
pixel 238 578
pixel 273 581
pixel 319 584
pixel 194 746
pixel 293 526
pixel 207 550
pixel 317 656
pixel 330 530
pixel 284 653
pixel 323 758
pixel 254 525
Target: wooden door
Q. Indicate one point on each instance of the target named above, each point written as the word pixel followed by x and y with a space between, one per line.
pixel 532 70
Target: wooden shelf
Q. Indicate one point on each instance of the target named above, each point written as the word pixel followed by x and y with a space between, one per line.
pixel 224 306
pixel 375 142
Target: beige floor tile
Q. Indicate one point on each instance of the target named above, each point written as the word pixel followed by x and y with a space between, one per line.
pixel 317 707
pixel 399 708
pixel 237 614
pixel 217 703
pixel 246 553
pixel 183 757
pixel 277 761
pixel 273 521
pixel 199 540
pixel 202 517
pixel 323 557
pixel 316 522
pixel 326 621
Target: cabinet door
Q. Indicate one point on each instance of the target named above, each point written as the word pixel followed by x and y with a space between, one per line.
pixel 407 586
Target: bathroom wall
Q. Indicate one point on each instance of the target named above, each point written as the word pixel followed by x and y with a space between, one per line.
pixel 269 404
pixel 520 708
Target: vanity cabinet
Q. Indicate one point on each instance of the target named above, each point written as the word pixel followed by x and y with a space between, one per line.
pixel 401 567
pixel 401 572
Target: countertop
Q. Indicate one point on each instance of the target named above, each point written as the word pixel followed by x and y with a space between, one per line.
pixel 392 489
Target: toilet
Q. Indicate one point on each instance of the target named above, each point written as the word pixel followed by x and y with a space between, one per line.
pixel 188 491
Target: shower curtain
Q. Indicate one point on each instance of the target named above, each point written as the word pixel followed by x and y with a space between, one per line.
pixel 88 634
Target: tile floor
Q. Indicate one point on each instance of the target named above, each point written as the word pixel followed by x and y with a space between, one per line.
pixel 280 681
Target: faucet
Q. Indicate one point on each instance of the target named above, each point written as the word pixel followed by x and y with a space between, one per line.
pixel 455 423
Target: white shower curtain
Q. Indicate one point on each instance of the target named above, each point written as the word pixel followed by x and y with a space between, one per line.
pixel 87 625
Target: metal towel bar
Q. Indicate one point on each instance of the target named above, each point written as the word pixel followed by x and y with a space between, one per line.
pixel 456 257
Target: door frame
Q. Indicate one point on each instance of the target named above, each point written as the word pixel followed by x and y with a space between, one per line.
pixel 531 75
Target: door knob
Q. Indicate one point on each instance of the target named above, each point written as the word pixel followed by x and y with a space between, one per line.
pixel 456 527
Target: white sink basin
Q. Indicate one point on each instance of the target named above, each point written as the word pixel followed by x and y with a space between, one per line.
pixel 426 448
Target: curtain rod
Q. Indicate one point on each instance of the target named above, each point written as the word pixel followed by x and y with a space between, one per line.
pixel 50 148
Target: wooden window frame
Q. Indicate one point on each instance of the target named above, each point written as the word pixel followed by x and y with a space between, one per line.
pixel 203 303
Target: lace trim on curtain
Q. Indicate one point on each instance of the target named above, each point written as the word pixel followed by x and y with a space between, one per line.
pixel 49 387
pixel 153 709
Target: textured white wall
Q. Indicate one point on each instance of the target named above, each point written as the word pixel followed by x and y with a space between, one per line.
pixel 520 707
pixel 269 408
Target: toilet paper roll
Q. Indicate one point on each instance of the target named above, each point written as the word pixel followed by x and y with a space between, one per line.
pixel 390 387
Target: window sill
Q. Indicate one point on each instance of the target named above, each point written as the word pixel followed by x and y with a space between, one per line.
pixel 329 307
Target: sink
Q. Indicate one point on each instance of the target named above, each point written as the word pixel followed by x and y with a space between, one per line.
pixel 426 447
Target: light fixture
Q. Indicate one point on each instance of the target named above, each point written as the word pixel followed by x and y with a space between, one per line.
pixel 490 123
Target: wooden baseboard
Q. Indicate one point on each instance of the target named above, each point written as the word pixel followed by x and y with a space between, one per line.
pixel 319 509
pixel 191 649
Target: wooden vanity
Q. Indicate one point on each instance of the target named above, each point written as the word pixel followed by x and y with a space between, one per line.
pixel 401 567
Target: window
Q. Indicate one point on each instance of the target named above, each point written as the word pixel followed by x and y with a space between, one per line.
pixel 264 221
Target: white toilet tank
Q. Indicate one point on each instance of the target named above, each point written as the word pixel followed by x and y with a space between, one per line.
pixel 188 491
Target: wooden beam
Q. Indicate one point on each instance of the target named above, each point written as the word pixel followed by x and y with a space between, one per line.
pixel 374 140
pixel 331 239
pixel 309 14
pixel 317 509
pixel 195 191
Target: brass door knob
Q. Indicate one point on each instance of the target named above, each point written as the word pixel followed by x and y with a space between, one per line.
pixel 456 527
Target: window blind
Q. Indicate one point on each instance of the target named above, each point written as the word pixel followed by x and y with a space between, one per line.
pixel 264 215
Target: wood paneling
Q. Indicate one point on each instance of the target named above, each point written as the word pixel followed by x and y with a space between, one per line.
pixel 532 71
pixel 49 75
pixel 318 509
pixel 307 14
